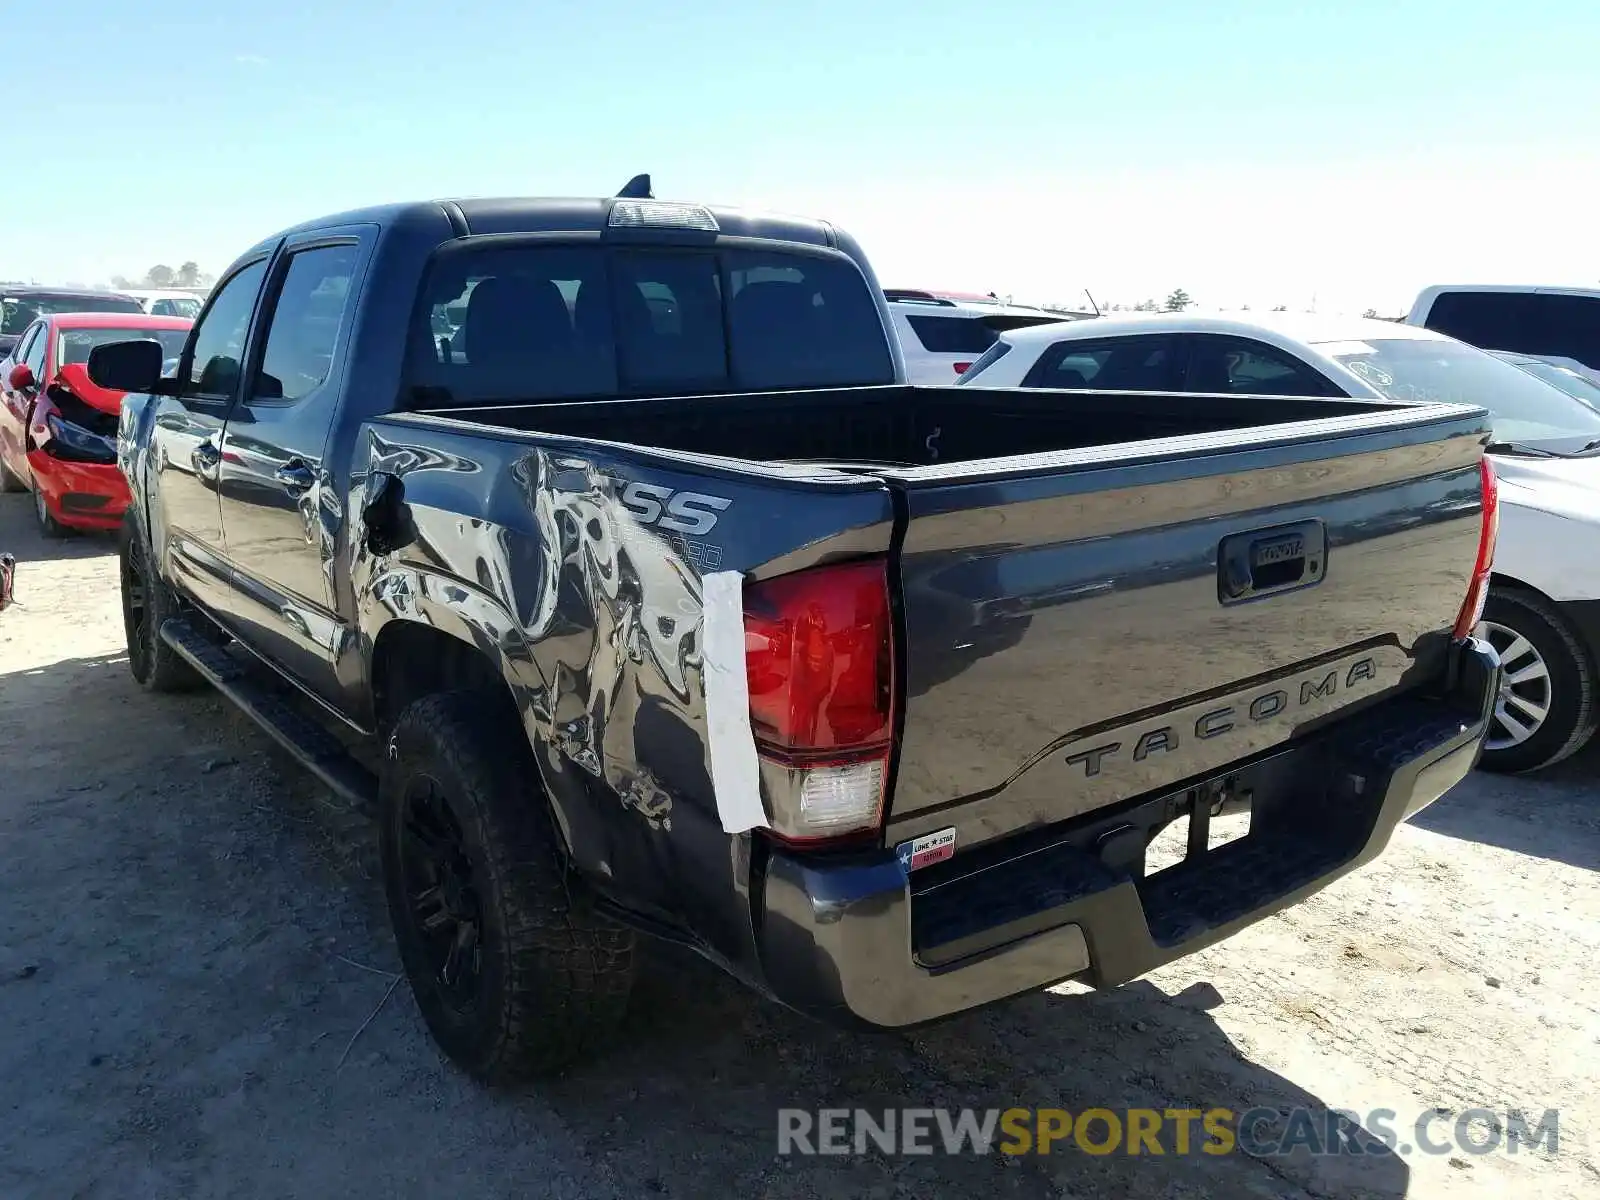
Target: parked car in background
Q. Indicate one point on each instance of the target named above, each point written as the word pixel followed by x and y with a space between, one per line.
pixel 58 429
pixel 168 303
pixel 21 305
pixel 1543 613
pixel 663 602
pixel 942 334
pixel 1558 324
pixel 1574 383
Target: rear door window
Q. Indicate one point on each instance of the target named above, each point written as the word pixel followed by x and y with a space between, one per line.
pixel 528 323
pixel 1240 366
pixel 1141 363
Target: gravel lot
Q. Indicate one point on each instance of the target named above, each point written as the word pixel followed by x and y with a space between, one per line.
pixel 192 937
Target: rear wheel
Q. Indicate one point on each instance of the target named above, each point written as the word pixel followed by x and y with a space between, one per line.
pixel 1545 709
pixel 147 601
pixel 48 525
pixel 8 481
pixel 515 972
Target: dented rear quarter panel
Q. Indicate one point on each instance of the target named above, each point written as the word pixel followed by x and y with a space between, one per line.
pixel 579 572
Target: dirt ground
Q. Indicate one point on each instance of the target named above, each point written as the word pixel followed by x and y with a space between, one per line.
pixel 192 943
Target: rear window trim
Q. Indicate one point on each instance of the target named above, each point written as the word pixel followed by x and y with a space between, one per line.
pixel 704 243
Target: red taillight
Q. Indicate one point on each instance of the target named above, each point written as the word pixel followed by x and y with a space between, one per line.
pixel 961 368
pixel 1488 533
pixel 819 663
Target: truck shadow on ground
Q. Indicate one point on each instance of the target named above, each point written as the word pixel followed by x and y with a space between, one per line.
pixel 212 896
pixel 703 1063
pixel 1554 814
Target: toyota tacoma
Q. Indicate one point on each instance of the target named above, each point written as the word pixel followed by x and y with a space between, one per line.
pixel 600 548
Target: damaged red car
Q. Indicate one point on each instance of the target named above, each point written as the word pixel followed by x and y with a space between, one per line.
pixel 58 430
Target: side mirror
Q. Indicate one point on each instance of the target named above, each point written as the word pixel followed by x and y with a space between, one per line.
pixel 21 377
pixel 127 366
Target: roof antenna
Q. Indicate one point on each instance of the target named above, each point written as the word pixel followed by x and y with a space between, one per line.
pixel 637 188
pixel 1092 304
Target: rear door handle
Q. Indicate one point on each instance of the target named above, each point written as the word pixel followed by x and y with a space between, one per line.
pixel 295 476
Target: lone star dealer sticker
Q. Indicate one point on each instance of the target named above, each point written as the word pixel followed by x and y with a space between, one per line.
pixel 926 850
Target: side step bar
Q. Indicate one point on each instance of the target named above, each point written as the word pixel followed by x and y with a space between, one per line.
pixel 317 750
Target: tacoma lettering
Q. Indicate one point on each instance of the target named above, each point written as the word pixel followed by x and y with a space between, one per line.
pixel 1091 758
pixel 1309 690
pixel 1218 722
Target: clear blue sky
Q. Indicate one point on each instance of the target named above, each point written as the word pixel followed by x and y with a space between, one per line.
pixel 1244 149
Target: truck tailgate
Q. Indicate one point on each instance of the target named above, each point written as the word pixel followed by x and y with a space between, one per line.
pixel 1084 627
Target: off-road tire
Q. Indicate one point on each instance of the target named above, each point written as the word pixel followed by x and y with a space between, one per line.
pixel 1573 711
pixel 554 975
pixel 147 601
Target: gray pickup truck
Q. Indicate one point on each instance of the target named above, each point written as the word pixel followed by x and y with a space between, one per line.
pixel 601 549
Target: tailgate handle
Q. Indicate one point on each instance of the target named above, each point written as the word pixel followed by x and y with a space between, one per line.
pixel 1265 562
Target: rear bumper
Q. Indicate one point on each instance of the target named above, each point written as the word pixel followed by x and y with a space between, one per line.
pixel 81 495
pixel 860 942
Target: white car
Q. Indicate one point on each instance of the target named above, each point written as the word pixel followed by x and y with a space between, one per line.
pixel 167 303
pixel 941 333
pixel 1574 383
pixel 1558 324
pixel 1543 612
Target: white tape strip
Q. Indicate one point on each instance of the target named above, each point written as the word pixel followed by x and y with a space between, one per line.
pixel 735 773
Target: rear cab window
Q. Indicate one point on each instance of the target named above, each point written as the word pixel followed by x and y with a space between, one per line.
pixel 1541 323
pixel 524 323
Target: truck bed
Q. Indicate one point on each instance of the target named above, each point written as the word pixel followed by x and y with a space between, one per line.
pixel 905 425
pixel 1102 595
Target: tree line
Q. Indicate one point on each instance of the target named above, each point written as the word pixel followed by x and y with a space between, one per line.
pixel 189 275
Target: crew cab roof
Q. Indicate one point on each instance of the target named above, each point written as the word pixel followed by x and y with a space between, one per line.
pixel 543 215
